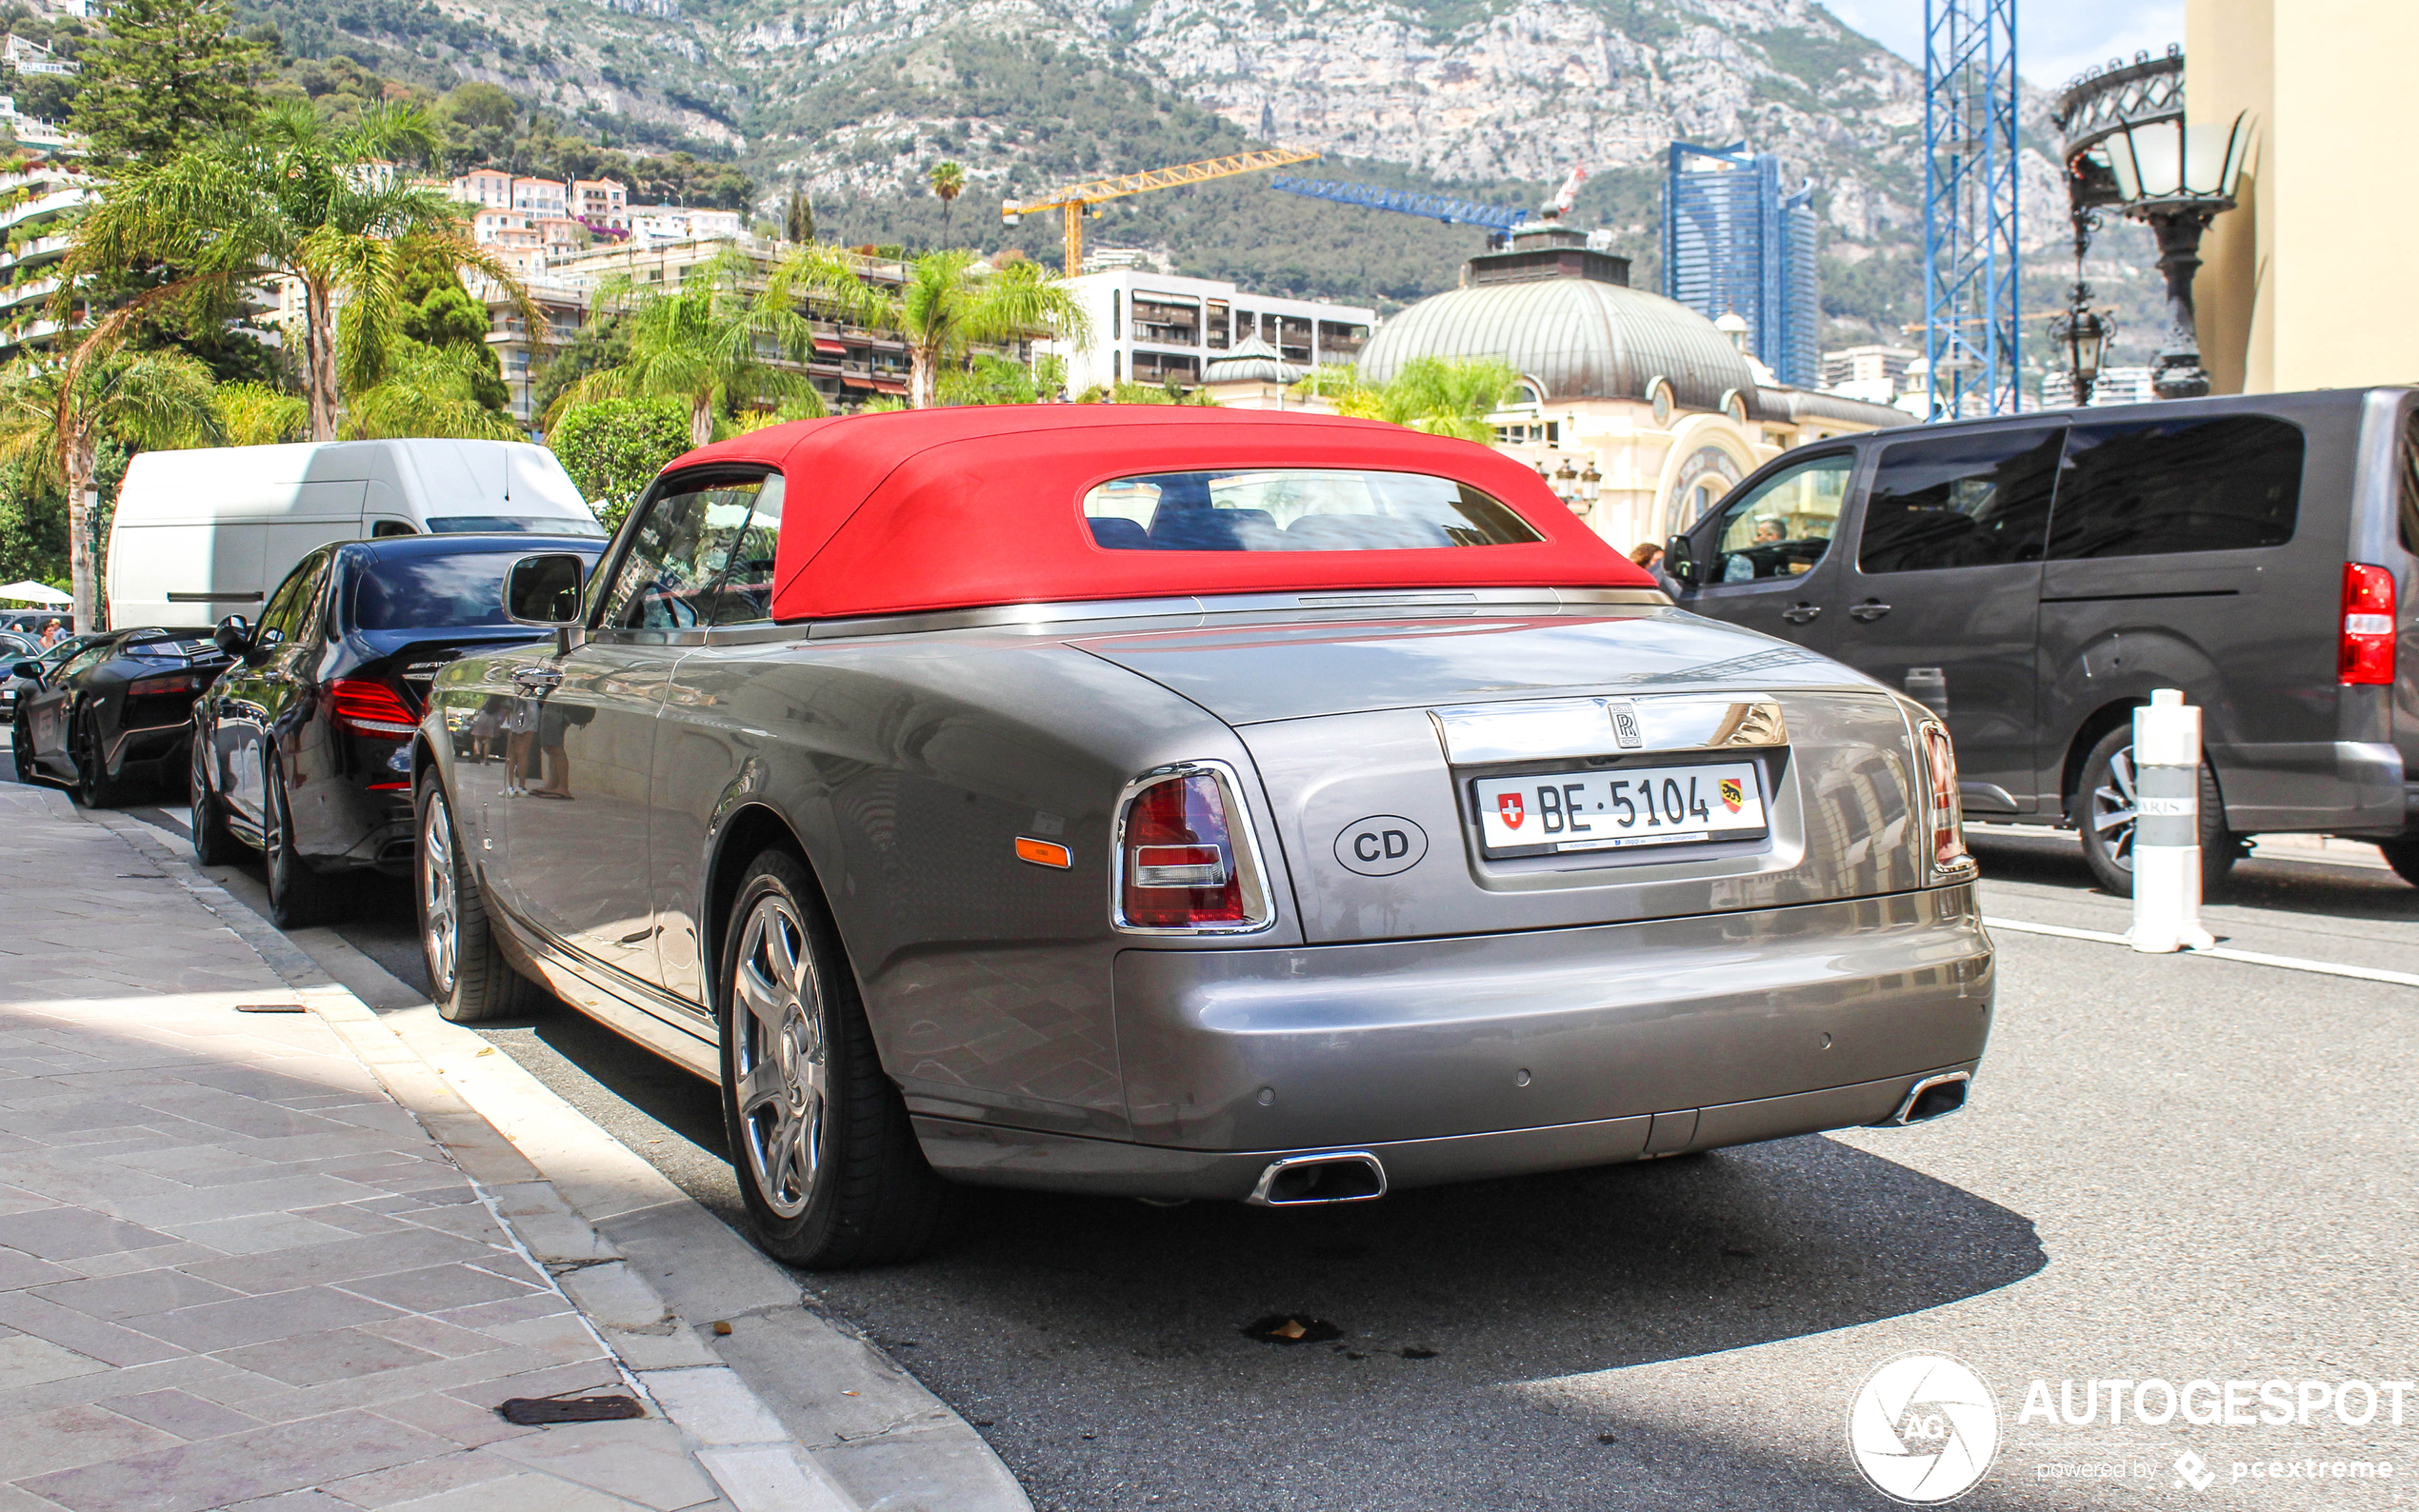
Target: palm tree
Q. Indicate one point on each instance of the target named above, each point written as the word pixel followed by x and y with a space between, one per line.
pixel 54 413
pixel 427 391
pixel 945 308
pixel 291 196
pixel 709 343
pixel 252 414
pixel 949 181
pixel 1445 396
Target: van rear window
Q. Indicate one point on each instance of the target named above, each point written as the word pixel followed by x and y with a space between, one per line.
pixel 2152 487
pixel 1297 509
pixel 512 524
pixel 2409 508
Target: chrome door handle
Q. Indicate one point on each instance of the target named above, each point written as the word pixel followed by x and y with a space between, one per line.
pixel 536 678
pixel 1800 613
pixel 1869 611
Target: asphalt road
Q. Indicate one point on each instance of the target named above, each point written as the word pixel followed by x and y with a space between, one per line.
pixel 2173 1168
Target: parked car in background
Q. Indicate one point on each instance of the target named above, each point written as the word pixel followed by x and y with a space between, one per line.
pixel 202 532
pixel 2032 578
pixel 300 749
pixel 29 622
pixel 114 714
pixel 1187 803
pixel 14 683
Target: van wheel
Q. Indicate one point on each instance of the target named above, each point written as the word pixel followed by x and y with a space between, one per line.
pixel 468 978
pixel 827 1162
pixel 214 845
pixel 2103 812
pixel 2403 855
pixel 298 897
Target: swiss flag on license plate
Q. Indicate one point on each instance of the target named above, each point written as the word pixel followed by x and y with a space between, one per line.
pixel 1509 809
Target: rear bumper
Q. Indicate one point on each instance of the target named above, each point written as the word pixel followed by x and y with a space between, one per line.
pixel 1499 1054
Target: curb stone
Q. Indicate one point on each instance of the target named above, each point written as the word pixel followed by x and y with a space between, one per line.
pixel 650 1270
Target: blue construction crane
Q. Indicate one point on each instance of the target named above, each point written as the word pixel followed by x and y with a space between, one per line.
pixel 1495 218
pixel 1970 206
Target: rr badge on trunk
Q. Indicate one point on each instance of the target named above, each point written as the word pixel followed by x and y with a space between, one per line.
pixel 1732 794
pixel 1508 808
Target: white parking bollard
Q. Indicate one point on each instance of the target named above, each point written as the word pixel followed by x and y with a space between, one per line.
pixel 2166 827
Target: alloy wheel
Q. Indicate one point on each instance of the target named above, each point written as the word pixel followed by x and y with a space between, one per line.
pixel 197 788
pixel 783 1071
pixel 2114 808
pixel 440 915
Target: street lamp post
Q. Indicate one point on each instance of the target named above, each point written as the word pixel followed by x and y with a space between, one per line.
pixel 2177 178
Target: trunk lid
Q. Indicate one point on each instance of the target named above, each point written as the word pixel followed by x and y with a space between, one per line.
pixel 1383 745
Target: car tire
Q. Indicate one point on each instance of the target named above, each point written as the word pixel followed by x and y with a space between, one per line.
pixel 827 1163
pixel 298 897
pixel 214 844
pixel 2403 855
pixel 94 786
pixel 2102 813
pixel 469 980
pixel 21 751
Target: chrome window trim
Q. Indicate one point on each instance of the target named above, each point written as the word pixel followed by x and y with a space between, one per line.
pixel 992 616
pixel 1259 903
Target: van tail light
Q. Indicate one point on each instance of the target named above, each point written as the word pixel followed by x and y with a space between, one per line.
pixel 370 709
pixel 1945 809
pixel 2365 654
pixel 1184 862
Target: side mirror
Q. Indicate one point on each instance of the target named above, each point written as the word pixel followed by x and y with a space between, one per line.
pixel 233 635
pixel 32 671
pixel 1679 559
pixel 545 591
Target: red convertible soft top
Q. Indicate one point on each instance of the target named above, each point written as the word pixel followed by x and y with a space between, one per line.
pixel 956 509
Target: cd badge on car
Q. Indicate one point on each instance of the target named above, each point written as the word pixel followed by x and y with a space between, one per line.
pixel 1380 846
pixel 1508 807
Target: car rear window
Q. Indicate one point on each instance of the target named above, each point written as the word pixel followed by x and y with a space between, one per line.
pixel 512 524
pixel 1297 509
pixel 2152 488
pixel 431 592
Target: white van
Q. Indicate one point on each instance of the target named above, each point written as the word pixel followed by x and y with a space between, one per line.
pixel 206 533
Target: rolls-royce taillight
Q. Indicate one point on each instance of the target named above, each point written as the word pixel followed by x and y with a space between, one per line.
pixel 1185 859
pixel 1944 807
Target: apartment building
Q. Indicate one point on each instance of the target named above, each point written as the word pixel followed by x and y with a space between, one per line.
pixel 1153 327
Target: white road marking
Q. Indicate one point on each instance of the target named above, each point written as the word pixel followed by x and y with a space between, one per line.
pixel 2324 969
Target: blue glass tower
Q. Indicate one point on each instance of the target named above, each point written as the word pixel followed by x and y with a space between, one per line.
pixel 1733 243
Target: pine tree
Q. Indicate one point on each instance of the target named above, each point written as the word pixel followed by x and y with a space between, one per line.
pixel 171 73
pixel 797 224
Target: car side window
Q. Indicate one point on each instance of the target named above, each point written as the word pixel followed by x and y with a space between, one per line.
pixel 743 595
pixel 83 662
pixel 2153 488
pixel 310 601
pixel 1781 526
pixel 277 618
pixel 667 576
pixel 1977 498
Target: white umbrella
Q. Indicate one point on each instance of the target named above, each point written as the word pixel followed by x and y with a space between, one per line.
pixel 33 593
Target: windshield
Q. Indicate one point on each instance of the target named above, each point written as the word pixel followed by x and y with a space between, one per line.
pixel 431 592
pixel 1297 509
pixel 512 524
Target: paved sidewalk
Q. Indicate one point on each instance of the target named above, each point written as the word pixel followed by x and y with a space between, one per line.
pixel 234 1271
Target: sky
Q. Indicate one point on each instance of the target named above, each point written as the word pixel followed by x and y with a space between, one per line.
pixel 2055 39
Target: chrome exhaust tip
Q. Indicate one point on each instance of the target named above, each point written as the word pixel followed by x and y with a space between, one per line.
pixel 1313 1181
pixel 1931 1097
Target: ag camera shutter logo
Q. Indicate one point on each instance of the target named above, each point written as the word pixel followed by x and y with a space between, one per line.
pixel 1924 1429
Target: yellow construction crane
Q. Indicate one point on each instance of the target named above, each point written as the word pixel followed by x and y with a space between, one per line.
pixel 1076 200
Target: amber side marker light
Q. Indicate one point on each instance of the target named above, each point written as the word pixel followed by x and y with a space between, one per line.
pixel 1044 853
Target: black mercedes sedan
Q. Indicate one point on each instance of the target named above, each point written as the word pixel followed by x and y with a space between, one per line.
pixel 114 713
pixel 301 748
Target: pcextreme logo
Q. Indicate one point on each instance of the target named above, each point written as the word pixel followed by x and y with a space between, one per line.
pixel 1923 1428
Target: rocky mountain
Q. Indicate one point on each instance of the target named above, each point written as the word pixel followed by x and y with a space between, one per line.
pixel 1492 99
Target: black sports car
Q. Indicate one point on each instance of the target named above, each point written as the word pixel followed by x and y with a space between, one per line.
pixel 302 747
pixel 113 712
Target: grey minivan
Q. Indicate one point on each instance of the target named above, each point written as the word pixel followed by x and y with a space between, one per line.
pixel 2032 577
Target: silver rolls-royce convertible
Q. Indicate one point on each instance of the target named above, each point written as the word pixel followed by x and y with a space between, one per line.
pixel 1179 803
